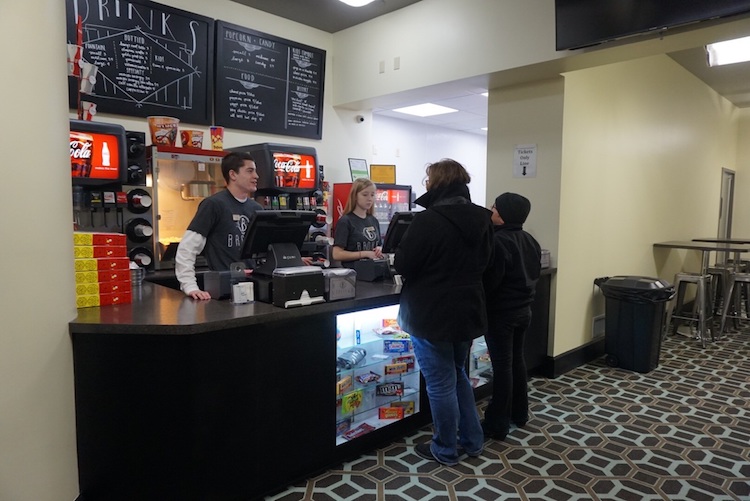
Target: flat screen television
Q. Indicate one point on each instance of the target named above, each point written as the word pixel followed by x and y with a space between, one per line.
pixel 581 23
pixel 274 238
pixel 396 229
pixel 98 153
pixel 284 168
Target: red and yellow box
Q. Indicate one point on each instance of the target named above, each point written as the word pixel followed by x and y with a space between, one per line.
pixel 87 301
pixel 407 405
pixel 97 238
pixel 99 251
pixel 115 298
pixel 102 264
pixel 86 277
pixel 391 413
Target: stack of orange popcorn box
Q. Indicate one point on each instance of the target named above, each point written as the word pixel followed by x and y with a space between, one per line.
pixel 102 269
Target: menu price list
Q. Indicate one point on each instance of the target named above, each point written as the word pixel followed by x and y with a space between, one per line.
pixel 268 84
pixel 151 59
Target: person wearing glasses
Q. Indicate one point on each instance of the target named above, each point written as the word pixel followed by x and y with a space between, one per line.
pixel 442 259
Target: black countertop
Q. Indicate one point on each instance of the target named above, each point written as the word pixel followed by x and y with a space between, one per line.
pixel 156 309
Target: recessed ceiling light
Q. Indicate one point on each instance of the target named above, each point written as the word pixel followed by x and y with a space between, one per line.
pixel 356 3
pixel 484 129
pixel 485 94
pixel 728 52
pixel 425 110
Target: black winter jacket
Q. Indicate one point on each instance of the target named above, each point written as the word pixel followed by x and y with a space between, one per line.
pixel 510 283
pixel 442 258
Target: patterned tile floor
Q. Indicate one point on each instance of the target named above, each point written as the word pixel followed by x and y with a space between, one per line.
pixel 680 432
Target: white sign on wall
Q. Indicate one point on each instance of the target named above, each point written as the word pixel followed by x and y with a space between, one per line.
pixel 524 160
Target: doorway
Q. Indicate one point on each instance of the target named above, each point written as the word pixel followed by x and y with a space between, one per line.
pixel 726 203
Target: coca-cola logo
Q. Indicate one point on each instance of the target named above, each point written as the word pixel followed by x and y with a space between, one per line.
pixel 292 165
pixel 80 149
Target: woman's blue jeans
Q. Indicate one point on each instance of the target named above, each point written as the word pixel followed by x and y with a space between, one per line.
pixel 454 410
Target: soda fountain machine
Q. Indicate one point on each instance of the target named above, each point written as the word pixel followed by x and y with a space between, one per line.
pixel 290 177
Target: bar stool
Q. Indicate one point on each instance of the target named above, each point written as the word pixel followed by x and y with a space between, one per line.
pixel 734 297
pixel 702 311
pixel 720 276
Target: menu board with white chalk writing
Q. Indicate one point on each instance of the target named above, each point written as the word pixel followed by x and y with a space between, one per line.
pixel 151 59
pixel 268 84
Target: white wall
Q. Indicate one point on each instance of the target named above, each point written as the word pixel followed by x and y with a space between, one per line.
pixel 37 429
pixel 643 147
pixel 411 146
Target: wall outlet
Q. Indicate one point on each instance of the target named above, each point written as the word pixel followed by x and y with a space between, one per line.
pixel 597 327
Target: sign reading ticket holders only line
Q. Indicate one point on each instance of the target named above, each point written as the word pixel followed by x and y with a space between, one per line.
pixel 524 160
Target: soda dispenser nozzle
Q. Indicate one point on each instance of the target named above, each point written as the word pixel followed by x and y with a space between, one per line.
pixel 79 204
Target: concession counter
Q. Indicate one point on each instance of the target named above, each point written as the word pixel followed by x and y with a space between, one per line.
pixel 210 400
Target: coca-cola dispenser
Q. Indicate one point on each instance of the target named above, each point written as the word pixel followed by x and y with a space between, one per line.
pixel 98 168
pixel 290 178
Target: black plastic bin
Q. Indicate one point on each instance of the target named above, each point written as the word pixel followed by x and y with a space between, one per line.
pixel 634 320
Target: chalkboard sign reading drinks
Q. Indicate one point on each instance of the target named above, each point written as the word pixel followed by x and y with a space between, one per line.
pixel 151 59
pixel 268 84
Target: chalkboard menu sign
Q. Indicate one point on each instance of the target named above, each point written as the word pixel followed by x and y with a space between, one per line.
pixel 151 59
pixel 268 84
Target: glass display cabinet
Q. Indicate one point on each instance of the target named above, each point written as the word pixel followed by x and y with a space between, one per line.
pixel 377 375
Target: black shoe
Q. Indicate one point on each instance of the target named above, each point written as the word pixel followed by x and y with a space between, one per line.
pixel 492 433
pixel 424 451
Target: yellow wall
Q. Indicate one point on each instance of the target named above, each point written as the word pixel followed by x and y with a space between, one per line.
pixel 641 140
pixel 740 219
pixel 37 430
pixel 643 146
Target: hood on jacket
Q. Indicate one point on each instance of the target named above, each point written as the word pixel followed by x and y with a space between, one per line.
pixel 513 208
pixel 453 203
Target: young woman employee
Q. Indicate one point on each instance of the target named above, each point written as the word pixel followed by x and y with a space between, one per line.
pixel 357 234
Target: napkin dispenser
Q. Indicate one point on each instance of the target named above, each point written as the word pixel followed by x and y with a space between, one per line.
pixel 297 286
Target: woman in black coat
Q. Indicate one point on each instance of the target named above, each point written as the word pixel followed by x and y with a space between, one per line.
pixel 442 259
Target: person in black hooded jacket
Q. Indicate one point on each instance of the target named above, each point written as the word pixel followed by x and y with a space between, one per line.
pixel 442 259
pixel 509 286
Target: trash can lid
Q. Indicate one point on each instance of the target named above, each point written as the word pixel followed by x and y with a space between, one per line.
pixel 636 282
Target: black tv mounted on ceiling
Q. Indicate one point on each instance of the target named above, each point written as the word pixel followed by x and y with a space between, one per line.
pixel 582 23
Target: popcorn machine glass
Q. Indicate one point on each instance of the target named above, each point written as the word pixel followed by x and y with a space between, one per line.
pixel 181 180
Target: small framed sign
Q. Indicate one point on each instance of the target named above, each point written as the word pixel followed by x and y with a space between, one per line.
pixel 358 168
pixel 385 174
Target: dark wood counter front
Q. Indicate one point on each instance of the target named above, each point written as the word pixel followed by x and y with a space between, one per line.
pixel 208 400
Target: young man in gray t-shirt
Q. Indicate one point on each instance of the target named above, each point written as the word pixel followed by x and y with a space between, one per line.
pixel 218 228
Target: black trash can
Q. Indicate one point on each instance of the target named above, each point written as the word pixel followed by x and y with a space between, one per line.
pixel 634 320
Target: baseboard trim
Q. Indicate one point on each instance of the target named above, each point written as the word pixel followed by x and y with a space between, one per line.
pixel 574 358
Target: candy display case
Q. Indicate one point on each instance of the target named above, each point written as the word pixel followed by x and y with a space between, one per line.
pixel 480 366
pixel 377 375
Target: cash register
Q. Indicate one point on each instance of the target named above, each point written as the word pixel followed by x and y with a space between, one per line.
pixel 371 270
pixel 273 241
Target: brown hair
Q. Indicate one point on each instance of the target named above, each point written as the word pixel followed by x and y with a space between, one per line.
pixel 358 185
pixel 445 172
pixel 234 161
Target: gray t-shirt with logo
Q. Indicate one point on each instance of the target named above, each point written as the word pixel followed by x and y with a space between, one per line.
pixel 223 220
pixel 354 233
